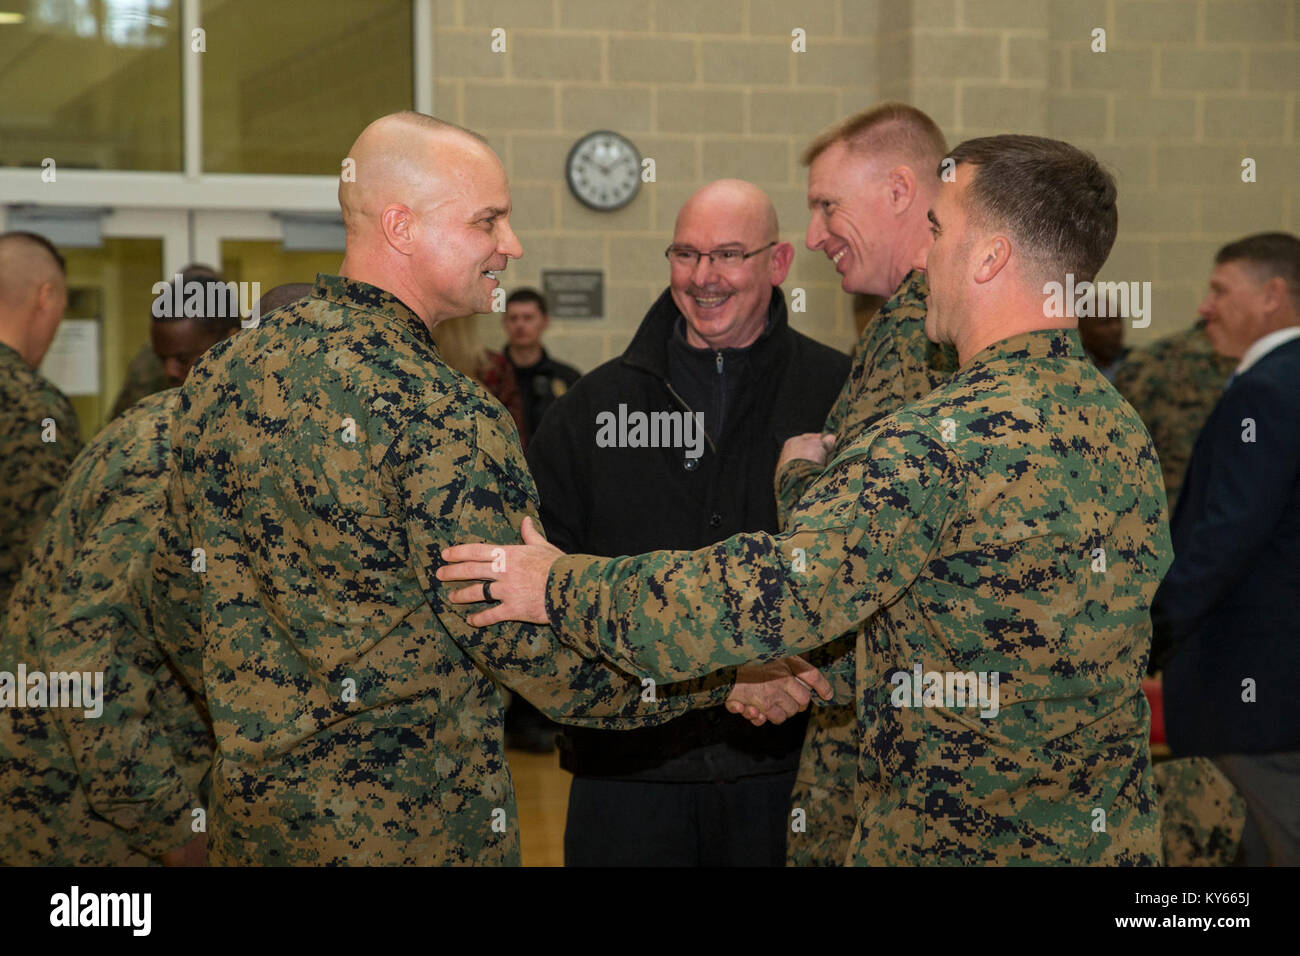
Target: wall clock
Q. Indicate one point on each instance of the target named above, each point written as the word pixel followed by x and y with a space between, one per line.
pixel 603 170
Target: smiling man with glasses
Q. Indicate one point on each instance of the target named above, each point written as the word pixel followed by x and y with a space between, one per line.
pixel 705 789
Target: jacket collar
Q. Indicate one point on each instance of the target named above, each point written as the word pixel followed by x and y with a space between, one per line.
pixel 1029 347
pixel 648 350
pixel 364 297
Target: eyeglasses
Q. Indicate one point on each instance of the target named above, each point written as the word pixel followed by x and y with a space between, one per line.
pixel 729 258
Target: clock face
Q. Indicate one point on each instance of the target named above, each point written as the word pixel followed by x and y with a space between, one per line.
pixel 604 170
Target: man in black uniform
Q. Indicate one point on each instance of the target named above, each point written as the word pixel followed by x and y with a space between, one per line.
pixel 673 445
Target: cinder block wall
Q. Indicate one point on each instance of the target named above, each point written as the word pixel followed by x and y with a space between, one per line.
pixel 1185 90
pixel 706 89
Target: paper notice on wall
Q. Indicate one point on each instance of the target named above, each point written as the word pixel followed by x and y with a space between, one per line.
pixel 72 363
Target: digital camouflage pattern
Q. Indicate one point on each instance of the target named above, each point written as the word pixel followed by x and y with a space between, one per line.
pixel 894 364
pixel 1174 384
pixel 961 533
pixel 31 469
pixel 1201 814
pixel 144 376
pixel 119 788
pixel 322 461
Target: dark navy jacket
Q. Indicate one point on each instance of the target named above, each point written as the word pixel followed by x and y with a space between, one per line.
pixel 1230 604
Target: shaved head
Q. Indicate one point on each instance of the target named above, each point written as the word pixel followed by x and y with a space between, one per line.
pixel 33 294
pixel 736 198
pixel 726 303
pixel 426 207
pixel 26 261
pixel 396 158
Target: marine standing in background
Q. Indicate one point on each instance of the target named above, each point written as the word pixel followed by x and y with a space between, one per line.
pixel 119 787
pixel 146 374
pixel 39 431
pixel 541 378
pixel 870 182
pixel 1173 383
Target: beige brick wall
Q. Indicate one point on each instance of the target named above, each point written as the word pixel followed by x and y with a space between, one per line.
pixel 707 90
pixel 1185 90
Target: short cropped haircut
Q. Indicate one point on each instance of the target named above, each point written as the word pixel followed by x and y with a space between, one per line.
pixel 526 295
pixel 1273 254
pixel 1053 199
pixel 37 240
pixel 888 128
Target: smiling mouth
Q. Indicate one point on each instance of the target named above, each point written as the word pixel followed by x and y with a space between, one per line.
pixel 710 301
pixel 835 259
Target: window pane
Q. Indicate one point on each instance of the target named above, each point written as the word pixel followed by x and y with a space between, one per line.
pixel 91 84
pixel 270 265
pixel 114 284
pixel 288 86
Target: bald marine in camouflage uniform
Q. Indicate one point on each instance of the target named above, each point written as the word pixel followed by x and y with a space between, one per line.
pixel 320 463
pixel 1010 526
pixel 39 431
pixel 118 787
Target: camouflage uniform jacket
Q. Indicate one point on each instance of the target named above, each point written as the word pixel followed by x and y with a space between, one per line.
pixel 965 531
pixel 894 364
pixel 31 468
pixel 321 462
pixel 119 787
pixel 1174 384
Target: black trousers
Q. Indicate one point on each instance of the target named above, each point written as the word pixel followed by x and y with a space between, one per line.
pixel 636 823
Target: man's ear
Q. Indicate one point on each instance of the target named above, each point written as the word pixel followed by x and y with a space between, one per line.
pixel 901 182
pixel 782 258
pixel 1274 295
pixel 994 252
pixel 45 294
pixel 399 225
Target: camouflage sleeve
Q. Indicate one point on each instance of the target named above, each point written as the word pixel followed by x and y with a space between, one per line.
pixel 129 758
pixel 863 533
pixel 483 492
pixel 876 385
pixel 793 479
pixel 177 592
pixel 32 471
pixel 140 756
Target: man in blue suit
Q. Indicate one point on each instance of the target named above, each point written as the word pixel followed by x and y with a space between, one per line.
pixel 1230 605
